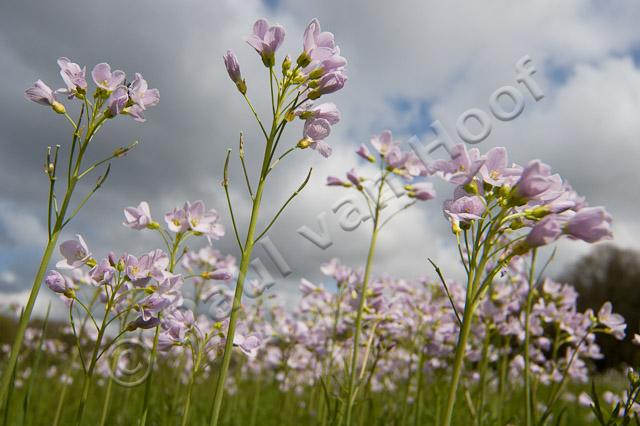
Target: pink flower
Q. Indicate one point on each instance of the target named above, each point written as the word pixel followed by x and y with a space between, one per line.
pixel 327 111
pixel 364 152
pixel 232 66
pixel 590 224
pixel 266 39
pixel 353 177
pixel 320 50
pixel 103 272
pixel 58 283
pixel 74 77
pixel 534 181
pixel 205 222
pixel 75 253
pixel 138 217
pixel 614 322
pixel 105 78
pixel 248 344
pixel 140 93
pixel 461 168
pixel 42 94
pixel 422 191
pixel 334 181
pixel 495 170
pixel 548 230
pixel 117 101
pixel 177 220
pixel 464 209
pixel 314 133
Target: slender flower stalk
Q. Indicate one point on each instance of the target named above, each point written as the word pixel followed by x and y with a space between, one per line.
pixel 392 162
pixel 291 96
pixel 505 212
pixel 528 398
pixel 91 118
pixel 351 384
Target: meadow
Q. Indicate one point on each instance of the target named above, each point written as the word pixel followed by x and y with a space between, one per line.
pixel 184 334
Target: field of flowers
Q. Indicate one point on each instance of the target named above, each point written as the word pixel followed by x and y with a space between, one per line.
pixel 180 335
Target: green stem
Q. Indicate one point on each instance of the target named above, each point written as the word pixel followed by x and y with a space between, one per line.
pixel 256 400
pixel 235 310
pixel 484 363
pixel 63 393
pixel 147 387
pixel 358 325
pixel 26 315
pixel 88 379
pixel 459 359
pixel 504 361
pixel 528 409
pixel 192 378
pixel 421 361
pixel 107 402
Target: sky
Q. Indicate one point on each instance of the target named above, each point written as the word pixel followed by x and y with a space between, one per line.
pixel 409 63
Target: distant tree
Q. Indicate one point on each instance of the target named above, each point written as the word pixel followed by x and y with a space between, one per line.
pixel 610 273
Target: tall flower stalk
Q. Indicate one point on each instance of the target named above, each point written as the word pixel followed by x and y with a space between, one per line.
pixel 500 212
pixel 111 98
pixel 319 70
pixel 392 161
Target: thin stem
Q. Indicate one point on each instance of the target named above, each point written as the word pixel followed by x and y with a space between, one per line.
pixel 244 166
pixel 446 289
pixel 237 301
pixel 77 338
pixel 284 206
pixel 287 152
pixel 358 325
pixel 225 185
pixel 192 378
pixel 255 114
pixel 528 409
pixel 459 360
pixel 484 363
pixel 107 402
pixel 147 387
pixel 88 311
pixel 117 153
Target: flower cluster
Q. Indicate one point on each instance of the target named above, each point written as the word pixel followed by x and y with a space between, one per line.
pixel 529 197
pixel 408 320
pixel 112 91
pixel 319 70
pixel 392 161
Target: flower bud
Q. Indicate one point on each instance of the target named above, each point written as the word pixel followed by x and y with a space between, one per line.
pixel 58 107
pixel 633 377
pixel 505 190
pixel 286 64
pixel 316 73
pixel 268 59
pixel 153 225
pixel 304 143
pixel 537 212
pixel 290 115
pixel 299 77
pixel 472 187
pixel 242 86
pixel 304 59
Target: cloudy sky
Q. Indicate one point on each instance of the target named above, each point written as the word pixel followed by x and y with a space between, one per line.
pixel 410 63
